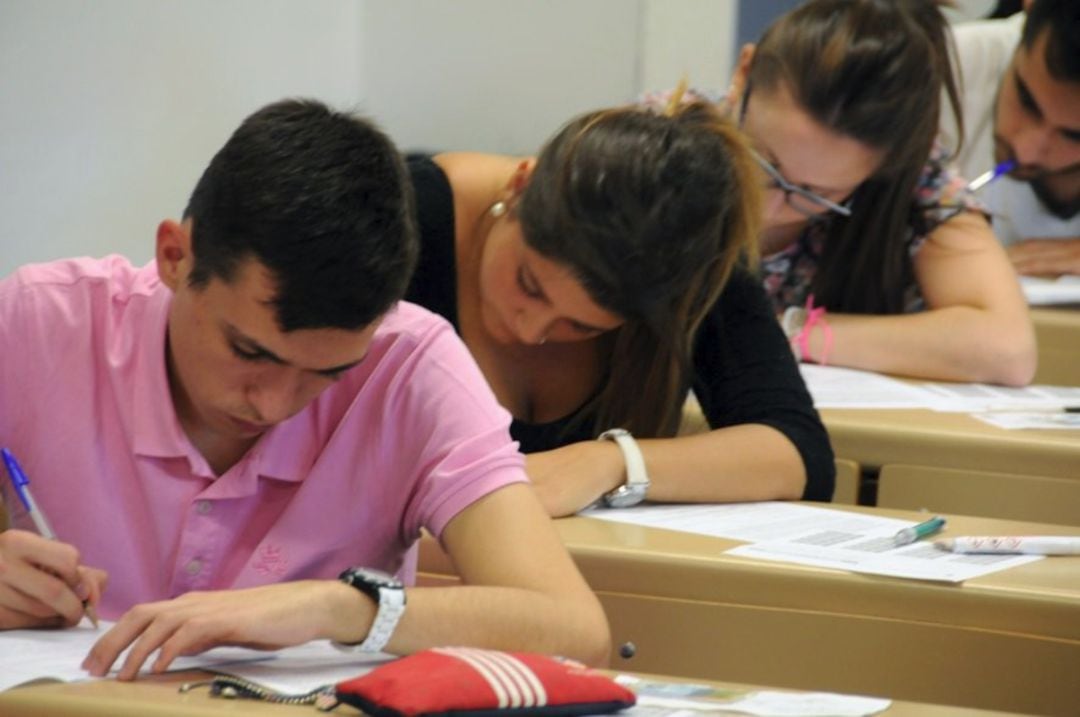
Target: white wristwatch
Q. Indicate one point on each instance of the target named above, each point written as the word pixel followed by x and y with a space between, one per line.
pixel 636 486
pixel 389 595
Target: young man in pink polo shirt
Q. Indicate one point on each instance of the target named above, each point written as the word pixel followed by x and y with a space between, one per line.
pixel 254 412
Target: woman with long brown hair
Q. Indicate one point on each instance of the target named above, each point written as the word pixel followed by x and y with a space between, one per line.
pixel 597 284
pixel 874 253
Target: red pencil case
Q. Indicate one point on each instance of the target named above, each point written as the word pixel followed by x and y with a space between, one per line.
pixel 470 682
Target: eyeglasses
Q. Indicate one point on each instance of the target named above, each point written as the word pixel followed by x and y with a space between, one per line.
pixel 801 200
pixel 798 198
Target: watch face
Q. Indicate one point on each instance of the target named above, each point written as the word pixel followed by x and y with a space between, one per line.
pixel 625 496
pixel 370 581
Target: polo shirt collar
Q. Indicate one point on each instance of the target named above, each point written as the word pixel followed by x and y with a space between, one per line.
pixel 156 430
pixel 288 451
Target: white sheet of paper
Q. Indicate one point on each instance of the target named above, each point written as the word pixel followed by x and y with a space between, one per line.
pixel 1013 420
pixel 809 535
pixel 1044 292
pixel 303 668
pixel 31 655
pixel 765 703
pixel 835 387
pixel 981 397
pixel 751 522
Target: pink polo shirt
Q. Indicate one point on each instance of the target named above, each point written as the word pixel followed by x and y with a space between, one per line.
pixel 404 440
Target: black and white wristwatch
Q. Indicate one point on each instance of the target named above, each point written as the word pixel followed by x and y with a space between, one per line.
pixel 389 595
pixel 636 486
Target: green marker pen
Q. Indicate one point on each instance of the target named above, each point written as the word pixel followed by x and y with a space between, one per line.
pixel 906 536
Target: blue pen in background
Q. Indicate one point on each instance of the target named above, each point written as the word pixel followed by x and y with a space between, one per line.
pixel 21 482
pixel 986 177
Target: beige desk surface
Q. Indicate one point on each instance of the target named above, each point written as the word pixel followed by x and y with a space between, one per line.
pixel 159 696
pixel 1060 318
pixel 1010 640
pixel 873 438
pixel 1057 334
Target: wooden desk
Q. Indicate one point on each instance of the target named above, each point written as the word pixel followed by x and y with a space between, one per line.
pixel 874 438
pixel 148 697
pixel 1008 641
pixel 158 696
pixel 983 493
pixel 1057 334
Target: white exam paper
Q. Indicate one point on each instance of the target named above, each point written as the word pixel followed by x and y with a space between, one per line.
pixel 982 397
pixel 1013 420
pixel 835 387
pixel 765 703
pixel 303 668
pixel 808 535
pixel 1041 291
pixel 29 655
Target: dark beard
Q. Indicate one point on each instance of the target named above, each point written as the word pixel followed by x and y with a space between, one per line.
pixel 1061 208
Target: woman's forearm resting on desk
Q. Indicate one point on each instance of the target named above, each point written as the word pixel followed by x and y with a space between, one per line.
pixel 975 327
pixel 949 344
pixel 740 463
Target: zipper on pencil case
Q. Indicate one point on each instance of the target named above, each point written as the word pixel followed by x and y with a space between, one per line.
pixel 237 688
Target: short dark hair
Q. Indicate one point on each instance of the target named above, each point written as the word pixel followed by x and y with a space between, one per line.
pixel 319 198
pixel 1062 19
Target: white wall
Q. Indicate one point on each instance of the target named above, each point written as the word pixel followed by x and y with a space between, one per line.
pixel 110 109
pixel 695 38
pixel 495 75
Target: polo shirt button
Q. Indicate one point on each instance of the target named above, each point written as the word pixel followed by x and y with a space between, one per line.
pixel 203 507
pixel 194 567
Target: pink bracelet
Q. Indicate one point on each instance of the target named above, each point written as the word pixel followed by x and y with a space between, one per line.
pixel 815 315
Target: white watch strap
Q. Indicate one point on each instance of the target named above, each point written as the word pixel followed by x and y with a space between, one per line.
pixel 636 475
pixel 391 608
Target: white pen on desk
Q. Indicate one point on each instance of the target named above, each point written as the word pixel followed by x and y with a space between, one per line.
pixel 985 178
pixel 1013 544
pixel 22 489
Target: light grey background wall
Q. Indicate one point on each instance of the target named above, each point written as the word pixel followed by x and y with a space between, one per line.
pixel 110 109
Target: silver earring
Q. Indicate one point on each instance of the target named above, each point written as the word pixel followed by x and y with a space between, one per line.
pixel 542 341
pixel 497 209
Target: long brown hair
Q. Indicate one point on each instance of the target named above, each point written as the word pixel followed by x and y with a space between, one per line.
pixel 872 70
pixel 652 212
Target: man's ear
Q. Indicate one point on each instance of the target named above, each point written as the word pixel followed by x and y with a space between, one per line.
pixel 173 252
pixel 741 75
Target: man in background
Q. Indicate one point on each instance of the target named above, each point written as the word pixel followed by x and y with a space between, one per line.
pixel 1021 101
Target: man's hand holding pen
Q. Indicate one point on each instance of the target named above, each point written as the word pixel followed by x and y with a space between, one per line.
pixel 42 580
pixel 43 584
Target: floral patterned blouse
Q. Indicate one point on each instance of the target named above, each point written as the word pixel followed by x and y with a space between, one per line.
pixel 940 194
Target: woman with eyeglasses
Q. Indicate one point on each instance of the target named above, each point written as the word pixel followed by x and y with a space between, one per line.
pixel 874 254
pixel 596 284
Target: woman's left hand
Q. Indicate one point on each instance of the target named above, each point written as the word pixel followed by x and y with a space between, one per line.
pixel 574 476
pixel 268 618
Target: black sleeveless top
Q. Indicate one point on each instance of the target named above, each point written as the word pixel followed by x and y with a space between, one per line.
pixel 744 371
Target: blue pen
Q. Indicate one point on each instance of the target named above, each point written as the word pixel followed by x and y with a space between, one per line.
pixel 986 177
pixel 22 489
pixel 906 536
